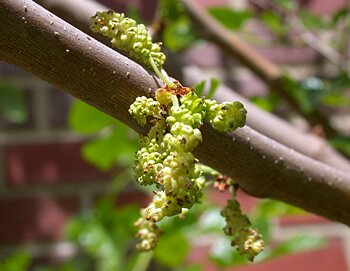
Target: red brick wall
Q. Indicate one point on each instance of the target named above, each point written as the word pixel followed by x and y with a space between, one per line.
pixel 44 180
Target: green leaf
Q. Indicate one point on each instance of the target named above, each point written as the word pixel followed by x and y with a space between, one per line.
pixel 18 261
pixel 171 10
pixel 231 19
pixel 297 244
pixel 271 208
pixel 194 267
pixel 341 143
pixel 340 82
pixel 287 4
pixel 274 23
pixel 214 84
pixel 172 250
pixel 12 105
pixel 85 119
pixel 224 255
pixel 134 13
pixel 340 15
pixel 117 147
pixel 311 20
pixel 336 100
pixel 198 88
pixel 268 103
pixel 178 35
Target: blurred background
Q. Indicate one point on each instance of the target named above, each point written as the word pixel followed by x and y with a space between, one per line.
pixel 68 199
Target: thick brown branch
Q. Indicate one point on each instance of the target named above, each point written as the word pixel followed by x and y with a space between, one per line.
pixel 262 67
pixel 263 122
pixel 274 127
pixel 48 47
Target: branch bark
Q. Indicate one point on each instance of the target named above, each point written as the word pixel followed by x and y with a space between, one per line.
pixel 263 122
pixel 275 128
pixel 43 44
pixel 262 67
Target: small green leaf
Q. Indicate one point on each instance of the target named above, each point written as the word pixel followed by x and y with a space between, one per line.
pixel 224 255
pixel 336 100
pixel 268 103
pixel 198 89
pixel 178 35
pixel 341 143
pixel 298 243
pixel 274 23
pixel 85 119
pixel 214 84
pixel 231 19
pixel 287 4
pixel 171 10
pixel 18 261
pixel 172 250
pixel 12 105
pixel 194 267
pixel 312 21
pixel 117 147
pixel 340 15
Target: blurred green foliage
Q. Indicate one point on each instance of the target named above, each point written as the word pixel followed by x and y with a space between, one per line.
pixel 112 143
pixel 230 18
pixel 177 31
pixel 12 106
pixel 18 261
pixel 105 234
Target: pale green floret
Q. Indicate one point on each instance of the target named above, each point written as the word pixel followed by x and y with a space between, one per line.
pixel 228 116
pixel 184 137
pixel 143 108
pixel 181 114
pixel 129 36
pixel 148 163
pixel 162 205
pixel 248 242
pixel 148 233
pixel 165 98
pixel 193 103
pixel 235 220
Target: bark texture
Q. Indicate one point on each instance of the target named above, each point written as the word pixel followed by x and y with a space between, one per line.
pixel 43 44
pixel 262 121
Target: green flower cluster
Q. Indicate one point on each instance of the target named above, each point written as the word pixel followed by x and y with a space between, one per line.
pixel 165 158
pixel 247 240
pixel 129 36
pixel 148 233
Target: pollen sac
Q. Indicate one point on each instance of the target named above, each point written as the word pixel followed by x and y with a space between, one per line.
pixel 127 35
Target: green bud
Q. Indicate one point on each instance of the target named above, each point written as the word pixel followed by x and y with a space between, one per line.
pixel 127 35
pixel 143 108
pixel 227 116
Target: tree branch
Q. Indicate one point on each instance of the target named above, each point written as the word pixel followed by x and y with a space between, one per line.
pixel 262 67
pixel 262 121
pixel 50 48
pixel 275 128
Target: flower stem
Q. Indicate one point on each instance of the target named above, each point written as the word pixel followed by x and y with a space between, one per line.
pixel 143 261
pixel 161 74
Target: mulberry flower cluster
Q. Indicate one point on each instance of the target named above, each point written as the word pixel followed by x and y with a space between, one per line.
pixel 129 36
pixel 165 157
pixel 247 240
